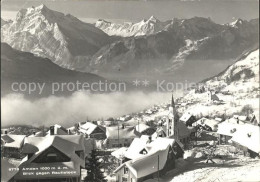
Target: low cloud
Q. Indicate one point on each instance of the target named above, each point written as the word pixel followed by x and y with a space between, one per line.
pixel 16 109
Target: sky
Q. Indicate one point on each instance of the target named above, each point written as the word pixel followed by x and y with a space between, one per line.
pixel 220 11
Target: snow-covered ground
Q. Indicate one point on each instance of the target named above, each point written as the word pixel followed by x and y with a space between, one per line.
pixel 229 168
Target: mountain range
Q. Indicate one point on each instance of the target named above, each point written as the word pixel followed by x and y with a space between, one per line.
pixel 183 49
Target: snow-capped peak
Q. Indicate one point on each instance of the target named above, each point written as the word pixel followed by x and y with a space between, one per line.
pixel 144 27
pixel 153 19
pixel 236 23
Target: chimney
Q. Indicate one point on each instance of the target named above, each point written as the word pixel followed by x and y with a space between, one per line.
pixel 34 133
pixel 123 126
pixel 237 121
pixel 51 130
pixel 150 139
pixel 68 131
pixel 6 132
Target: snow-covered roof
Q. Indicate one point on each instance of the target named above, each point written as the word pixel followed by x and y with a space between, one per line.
pixel 152 146
pixel 209 122
pixel 228 128
pixel 248 136
pixel 59 130
pixel 144 164
pixel 13 141
pixel 67 144
pixel 136 146
pixel 185 117
pixel 119 153
pixel 141 127
pixel 38 134
pixel 147 164
pixel 127 132
pixel 89 127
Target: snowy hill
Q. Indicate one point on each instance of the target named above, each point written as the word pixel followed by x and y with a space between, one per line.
pixel 64 39
pixel 127 29
pixel 236 87
pixel 243 74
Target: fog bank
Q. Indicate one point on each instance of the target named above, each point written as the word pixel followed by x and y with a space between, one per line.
pixel 16 109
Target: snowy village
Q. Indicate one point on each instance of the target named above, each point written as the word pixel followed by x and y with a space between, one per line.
pixel 206 131
pixel 157 144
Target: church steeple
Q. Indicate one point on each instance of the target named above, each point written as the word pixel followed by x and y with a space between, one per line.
pixel 172 104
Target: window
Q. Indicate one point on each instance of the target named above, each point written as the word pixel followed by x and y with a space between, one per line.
pixel 80 154
pixel 125 170
pixel 52 155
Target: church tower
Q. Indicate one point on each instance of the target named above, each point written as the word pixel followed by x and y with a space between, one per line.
pixel 172 128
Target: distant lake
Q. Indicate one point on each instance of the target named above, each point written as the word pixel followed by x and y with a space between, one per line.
pixel 220 11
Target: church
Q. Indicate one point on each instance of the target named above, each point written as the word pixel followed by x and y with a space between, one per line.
pixel 172 127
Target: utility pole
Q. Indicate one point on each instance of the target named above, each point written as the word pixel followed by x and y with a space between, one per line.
pixel 158 169
pixel 118 133
pixel 196 131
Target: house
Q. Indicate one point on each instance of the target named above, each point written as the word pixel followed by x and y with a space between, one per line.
pixel 119 154
pixel 38 134
pixel 248 139
pixel 120 136
pixel 188 119
pixel 91 130
pixel 57 130
pixel 53 158
pixel 12 145
pixel 212 97
pixel 4 131
pixel 207 124
pixel 226 130
pixel 148 158
pixel 160 132
pixel 144 129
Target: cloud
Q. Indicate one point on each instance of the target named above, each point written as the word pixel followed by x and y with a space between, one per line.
pixel 16 109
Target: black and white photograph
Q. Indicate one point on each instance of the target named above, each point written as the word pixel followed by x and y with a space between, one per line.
pixel 130 91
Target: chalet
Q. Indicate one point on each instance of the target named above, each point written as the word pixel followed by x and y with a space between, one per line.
pixel 91 130
pixel 57 130
pixel 147 159
pixel 226 130
pixel 248 139
pixel 120 136
pixel 207 124
pixel 188 119
pixel 12 145
pixel 56 158
pixel 144 129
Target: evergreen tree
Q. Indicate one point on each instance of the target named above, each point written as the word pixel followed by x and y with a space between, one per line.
pixel 93 166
